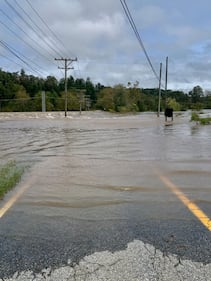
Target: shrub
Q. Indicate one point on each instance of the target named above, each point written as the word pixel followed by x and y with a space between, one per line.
pixel 195 116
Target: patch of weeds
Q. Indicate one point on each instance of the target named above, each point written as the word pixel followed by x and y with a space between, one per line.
pixel 201 120
pixel 205 121
pixel 10 175
pixel 195 116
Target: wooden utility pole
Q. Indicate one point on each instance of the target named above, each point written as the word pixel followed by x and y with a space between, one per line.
pixel 43 102
pixel 66 67
pixel 159 97
pixel 166 80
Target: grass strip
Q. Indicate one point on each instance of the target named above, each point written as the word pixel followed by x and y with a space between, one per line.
pixel 10 175
pixel 202 120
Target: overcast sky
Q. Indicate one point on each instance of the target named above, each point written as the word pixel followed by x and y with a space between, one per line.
pixel 98 33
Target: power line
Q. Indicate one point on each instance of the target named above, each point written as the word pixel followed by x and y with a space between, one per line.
pixel 28 36
pixel 32 28
pixel 31 24
pixel 47 26
pixel 133 25
pixel 51 31
pixel 38 27
pixel 14 52
pixel 9 59
pixel 21 40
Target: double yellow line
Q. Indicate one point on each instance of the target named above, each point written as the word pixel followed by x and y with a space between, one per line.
pixel 201 216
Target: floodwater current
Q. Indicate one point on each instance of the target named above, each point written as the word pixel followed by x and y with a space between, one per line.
pixel 103 151
pixel 92 180
pixel 31 137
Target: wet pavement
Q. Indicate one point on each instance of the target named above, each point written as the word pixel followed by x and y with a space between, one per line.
pixel 92 184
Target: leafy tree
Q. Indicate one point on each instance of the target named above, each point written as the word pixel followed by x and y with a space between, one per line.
pixel 98 87
pixel 22 99
pixel 51 84
pixel 119 98
pixel 80 83
pixel 70 82
pixel 207 100
pixel 90 90
pixel 105 99
pixel 133 98
pixel 73 101
pixel 196 94
pixel 22 92
pixel 61 85
pixel 172 103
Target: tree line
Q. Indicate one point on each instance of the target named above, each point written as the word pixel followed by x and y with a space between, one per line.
pixel 22 92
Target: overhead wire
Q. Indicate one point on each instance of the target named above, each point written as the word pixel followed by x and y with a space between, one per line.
pixel 55 38
pixel 45 35
pixel 21 57
pixel 47 26
pixel 27 43
pixel 133 25
pixel 49 45
pixel 28 36
pixel 22 40
pixel 9 59
pixel 32 28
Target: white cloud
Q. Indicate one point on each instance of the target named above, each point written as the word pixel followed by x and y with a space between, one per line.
pixel 150 15
pixel 99 34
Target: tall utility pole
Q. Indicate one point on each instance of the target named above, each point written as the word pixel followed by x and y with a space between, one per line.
pixel 43 102
pixel 159 90
pixel 166 80
pixel 66 67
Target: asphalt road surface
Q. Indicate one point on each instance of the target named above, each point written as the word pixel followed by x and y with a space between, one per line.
pixel 106 197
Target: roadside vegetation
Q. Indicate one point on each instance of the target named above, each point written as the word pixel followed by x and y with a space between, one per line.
pixel 10 174
pixel 22 92
pixel 199 119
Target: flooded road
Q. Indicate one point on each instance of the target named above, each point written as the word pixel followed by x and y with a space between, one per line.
pixel 94 182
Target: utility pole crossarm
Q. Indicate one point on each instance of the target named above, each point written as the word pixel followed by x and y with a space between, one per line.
pixel 67 62
pixel 75 59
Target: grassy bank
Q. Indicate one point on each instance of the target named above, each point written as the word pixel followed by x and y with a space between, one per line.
pixel 202 120
pixel 10 174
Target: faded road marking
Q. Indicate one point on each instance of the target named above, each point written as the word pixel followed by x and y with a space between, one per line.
pixel 187 202
pixel 15 197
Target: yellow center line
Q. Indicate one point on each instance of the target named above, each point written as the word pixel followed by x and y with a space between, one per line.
pixel 187 202
pixel 14 198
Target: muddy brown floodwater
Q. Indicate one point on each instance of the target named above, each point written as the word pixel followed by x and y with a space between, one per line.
pixel 93 180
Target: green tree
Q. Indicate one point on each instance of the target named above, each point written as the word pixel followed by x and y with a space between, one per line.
pixel 207 100
pixel 90 90
pixel 172 103
pixel 22 100
pixel 105 99
pixel 80 83
pixel 73 101
pixel 196 94
pixel 120 98
pixel 70 82
pixel 133 99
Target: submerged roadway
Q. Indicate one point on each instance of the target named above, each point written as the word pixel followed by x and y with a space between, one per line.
pixel 87 210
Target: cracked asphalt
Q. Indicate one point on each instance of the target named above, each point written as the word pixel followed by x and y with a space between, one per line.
pixel 138 262
pixel 94 207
